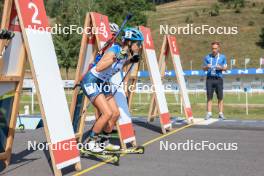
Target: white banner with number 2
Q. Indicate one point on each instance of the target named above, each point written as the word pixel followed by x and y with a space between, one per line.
pixel 44 65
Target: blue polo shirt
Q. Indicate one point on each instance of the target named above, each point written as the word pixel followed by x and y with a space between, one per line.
pixel 219 59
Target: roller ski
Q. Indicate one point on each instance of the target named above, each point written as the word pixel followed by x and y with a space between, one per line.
pixel 133 150
pixel 96 150
pixel 108 158
pixel 115 149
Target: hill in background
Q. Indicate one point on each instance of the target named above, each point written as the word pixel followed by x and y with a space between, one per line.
pixel 248 19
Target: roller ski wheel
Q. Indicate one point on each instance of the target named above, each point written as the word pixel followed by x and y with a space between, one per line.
pixel 108 158
pixel 21 127
pixel 133 150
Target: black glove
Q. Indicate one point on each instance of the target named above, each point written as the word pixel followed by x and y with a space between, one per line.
pixel 6 35
pixel 135 58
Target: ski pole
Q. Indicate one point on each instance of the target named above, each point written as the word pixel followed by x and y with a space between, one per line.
pixel 111 41
pixel 130 68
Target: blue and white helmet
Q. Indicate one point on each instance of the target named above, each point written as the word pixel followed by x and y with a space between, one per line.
pixel 114 27
pixel 132 34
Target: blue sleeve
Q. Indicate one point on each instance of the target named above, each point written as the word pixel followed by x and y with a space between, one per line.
pixel 205 61
pixel 115 49
pixel 224 60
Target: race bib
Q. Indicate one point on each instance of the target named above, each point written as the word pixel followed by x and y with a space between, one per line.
pixel 90 88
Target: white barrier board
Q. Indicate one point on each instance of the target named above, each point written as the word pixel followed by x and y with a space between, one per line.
pixel 153 67
pixel 47 78
pixel 179 74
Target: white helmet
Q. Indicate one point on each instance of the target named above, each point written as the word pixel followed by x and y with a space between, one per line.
pixel 114 27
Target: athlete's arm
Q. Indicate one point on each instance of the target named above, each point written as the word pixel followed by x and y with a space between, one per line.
pixel 107 60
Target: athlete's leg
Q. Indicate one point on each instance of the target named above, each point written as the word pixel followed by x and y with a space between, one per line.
pixel 90 88
pixel 102 105
pixel 115 114
pixel 110 125
pixel 97 113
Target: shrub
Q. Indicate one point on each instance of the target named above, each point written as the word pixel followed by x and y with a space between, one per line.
pixel 261 40
pixel 196 13
pixel 215 10
pixel 237 10
pixel 236 3
pixel 228 6
pixel 262 12
pixel 251 23
pixel 189 19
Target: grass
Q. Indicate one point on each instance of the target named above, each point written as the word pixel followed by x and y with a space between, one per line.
pixel 234 105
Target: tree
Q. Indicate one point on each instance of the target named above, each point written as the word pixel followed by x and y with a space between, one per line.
pixel 52 7
pixel 236 3
pixel 72 12
pixel 116 10
pixel 161 1
pixel 68 45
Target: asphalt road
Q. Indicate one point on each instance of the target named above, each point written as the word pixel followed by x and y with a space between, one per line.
pixel 247 160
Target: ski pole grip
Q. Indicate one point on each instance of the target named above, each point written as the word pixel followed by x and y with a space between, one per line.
pixel 129 16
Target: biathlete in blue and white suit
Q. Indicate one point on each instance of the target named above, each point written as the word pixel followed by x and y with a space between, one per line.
pixel 96 86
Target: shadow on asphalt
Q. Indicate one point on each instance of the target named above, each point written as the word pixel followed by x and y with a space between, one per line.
pixel 19 159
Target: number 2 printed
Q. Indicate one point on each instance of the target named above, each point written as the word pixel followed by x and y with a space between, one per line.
pixel 34 20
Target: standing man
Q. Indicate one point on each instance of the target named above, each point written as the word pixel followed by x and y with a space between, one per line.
pixel 215 63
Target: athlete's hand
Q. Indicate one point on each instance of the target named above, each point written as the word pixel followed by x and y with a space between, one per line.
pixel 135 58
